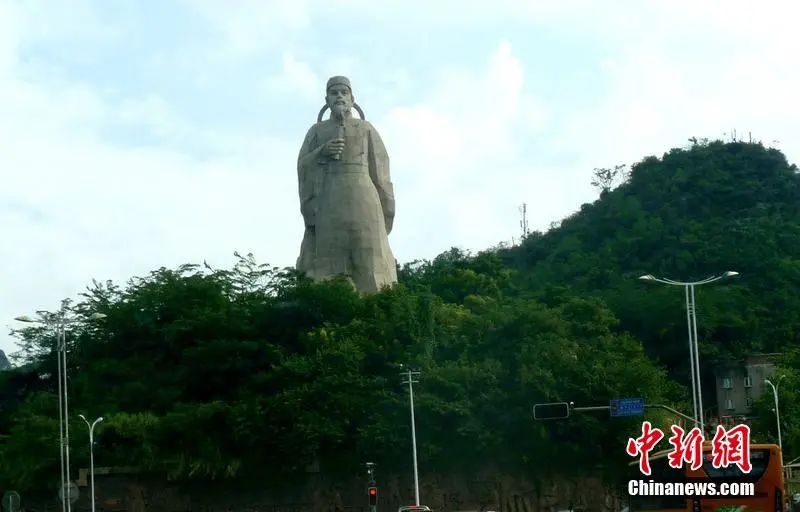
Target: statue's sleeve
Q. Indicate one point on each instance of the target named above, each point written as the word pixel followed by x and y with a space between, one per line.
pixel 309 176
pixel 379 172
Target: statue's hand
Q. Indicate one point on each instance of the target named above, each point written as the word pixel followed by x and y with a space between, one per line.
pixel 333 148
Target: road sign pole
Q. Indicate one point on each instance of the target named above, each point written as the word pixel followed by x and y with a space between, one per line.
pixel 592 408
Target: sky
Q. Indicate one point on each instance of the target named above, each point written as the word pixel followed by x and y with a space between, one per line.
pixel 136 135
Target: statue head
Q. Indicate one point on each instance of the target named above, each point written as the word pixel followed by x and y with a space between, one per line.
pixel 339 94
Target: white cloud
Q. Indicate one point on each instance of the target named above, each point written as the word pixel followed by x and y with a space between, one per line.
pixel 10 25
pixel 658 98
pixel 454 158
pixel 296 77
pixel 249 26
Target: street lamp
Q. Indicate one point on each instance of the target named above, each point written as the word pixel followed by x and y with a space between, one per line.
pixel 691 319
pixel 410 377
pixel 777 412
pixel 91 450
pixel 59 322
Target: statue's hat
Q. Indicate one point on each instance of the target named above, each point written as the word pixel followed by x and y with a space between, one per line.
pixel 338 80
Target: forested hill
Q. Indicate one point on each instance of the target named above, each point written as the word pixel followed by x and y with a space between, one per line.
pixel 693 213
pixel 256 372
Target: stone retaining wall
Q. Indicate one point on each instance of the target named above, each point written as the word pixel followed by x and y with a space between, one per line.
pixel 445 493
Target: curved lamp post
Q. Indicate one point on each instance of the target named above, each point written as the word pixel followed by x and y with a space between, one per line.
pixel 691 319
pixel 777 412
pixel 91 450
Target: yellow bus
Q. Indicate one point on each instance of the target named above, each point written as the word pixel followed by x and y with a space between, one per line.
pixel 766 477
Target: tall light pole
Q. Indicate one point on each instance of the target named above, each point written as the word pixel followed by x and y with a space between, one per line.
pixel 59 322
pixel 410 377
pixel 691 318
pixel 777 412
pixel 91 450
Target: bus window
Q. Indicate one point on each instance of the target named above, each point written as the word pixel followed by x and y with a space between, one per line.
pixel 766 476
pixel 759 460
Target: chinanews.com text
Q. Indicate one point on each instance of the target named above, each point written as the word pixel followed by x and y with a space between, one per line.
pixel 690 489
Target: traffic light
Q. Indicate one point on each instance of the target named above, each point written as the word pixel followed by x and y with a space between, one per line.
pixel 373 495
pixel 552 411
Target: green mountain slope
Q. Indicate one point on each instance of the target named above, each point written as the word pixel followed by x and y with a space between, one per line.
pixel 693 213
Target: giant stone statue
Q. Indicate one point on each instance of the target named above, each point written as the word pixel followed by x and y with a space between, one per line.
pixel 346 196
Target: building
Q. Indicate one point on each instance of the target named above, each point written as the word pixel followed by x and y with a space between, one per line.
pixel 739 383
pixel 4 362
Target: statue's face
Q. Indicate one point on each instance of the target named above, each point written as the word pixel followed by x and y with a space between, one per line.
pixel 339 95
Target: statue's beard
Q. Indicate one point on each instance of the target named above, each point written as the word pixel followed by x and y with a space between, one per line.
pixel 339 110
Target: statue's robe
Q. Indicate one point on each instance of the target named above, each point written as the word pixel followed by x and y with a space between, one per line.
pixel 347 205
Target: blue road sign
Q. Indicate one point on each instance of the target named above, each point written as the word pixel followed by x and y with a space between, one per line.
pixel 626 407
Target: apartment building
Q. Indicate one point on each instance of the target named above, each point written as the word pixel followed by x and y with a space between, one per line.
pixel 739 384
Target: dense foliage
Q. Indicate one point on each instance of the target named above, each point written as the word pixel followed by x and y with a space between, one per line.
pixel 693 213
pixel 256 373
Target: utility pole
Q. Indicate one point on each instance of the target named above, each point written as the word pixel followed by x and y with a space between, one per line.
pixel 411 377
pixel 523 223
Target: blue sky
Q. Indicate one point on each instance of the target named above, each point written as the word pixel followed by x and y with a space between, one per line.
pixel 135 135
